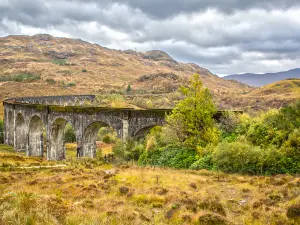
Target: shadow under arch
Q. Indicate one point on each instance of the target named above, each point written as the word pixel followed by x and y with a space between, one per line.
pixel 142 133
pixel 10 128
pixel 21 133
pixel 57 149
pixel 89 138
pixel 36 138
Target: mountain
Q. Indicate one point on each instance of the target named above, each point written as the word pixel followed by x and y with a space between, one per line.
pixel 258 80
pixel 47 65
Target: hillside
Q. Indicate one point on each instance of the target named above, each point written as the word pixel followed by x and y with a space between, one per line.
pixel 258 80
pixel 45 65
pixel 286 89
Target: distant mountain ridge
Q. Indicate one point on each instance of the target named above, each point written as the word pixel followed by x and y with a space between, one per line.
pixel 258 80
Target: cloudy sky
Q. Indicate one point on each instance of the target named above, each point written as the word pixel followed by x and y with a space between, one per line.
pixel 225 36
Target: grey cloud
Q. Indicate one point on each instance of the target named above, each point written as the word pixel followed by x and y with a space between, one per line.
pixel 167 8
pixel 225 36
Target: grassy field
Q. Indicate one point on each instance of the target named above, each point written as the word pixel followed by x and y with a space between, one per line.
pixel 87 191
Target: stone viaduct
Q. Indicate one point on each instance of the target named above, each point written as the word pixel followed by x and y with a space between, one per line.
pixel 30 123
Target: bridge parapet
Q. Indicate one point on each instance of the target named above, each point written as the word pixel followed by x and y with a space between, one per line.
pixel 54 100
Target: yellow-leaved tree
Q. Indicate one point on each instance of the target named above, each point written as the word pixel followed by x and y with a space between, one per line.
pixel 192 118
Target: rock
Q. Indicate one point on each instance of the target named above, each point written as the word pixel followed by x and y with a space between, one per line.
pixel 157 55
pixel 123 190
pixel 242 202
pixel 111 171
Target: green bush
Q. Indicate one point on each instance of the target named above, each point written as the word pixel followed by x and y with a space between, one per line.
pixel 239 156
pixel 84 70
pixel 51 81
pixel 204 163
pixel 61 62
pixel 131 150
pixel 71 84
pixel 170 156
pixel 107 135
pixel 22 77
pixel 1 132
pixel 106 139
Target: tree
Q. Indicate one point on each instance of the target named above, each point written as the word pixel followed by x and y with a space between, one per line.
pixel 128 90
pixel 70 136
pixel 192 118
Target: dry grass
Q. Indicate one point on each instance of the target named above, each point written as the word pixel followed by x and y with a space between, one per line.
pixel 86 192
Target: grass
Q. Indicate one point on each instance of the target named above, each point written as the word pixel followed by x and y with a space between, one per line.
pixel 82 193
pixel 22 77
pixel 61 62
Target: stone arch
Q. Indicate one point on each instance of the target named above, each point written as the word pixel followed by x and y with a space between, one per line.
pixel 89 137
pixel 57 146
pixel 36 137
pixel 21 133
pixel 10 128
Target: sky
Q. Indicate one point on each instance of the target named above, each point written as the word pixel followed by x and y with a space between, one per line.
pixel 224 36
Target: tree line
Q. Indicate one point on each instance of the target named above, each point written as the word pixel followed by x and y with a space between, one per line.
pixel 268 143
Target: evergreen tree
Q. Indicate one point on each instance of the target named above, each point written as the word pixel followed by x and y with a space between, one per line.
pixel 128 90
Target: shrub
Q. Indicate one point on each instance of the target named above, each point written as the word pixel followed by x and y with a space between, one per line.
pixel 50 81
pixel 212 219
pixel 61 62
pixel 131 150
pixel 293 212
pixel 170 156
pixel 71 84
pixel 212 205
pixel 117 100
pixel 22 77
pixel 107 135
pixel 106 139
pixel 239 156
pixel 84 70
pixel 128 89
pixel 274 161
pixel 204 163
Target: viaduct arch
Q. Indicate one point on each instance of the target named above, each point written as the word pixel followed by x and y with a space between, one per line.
pixel 28 120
